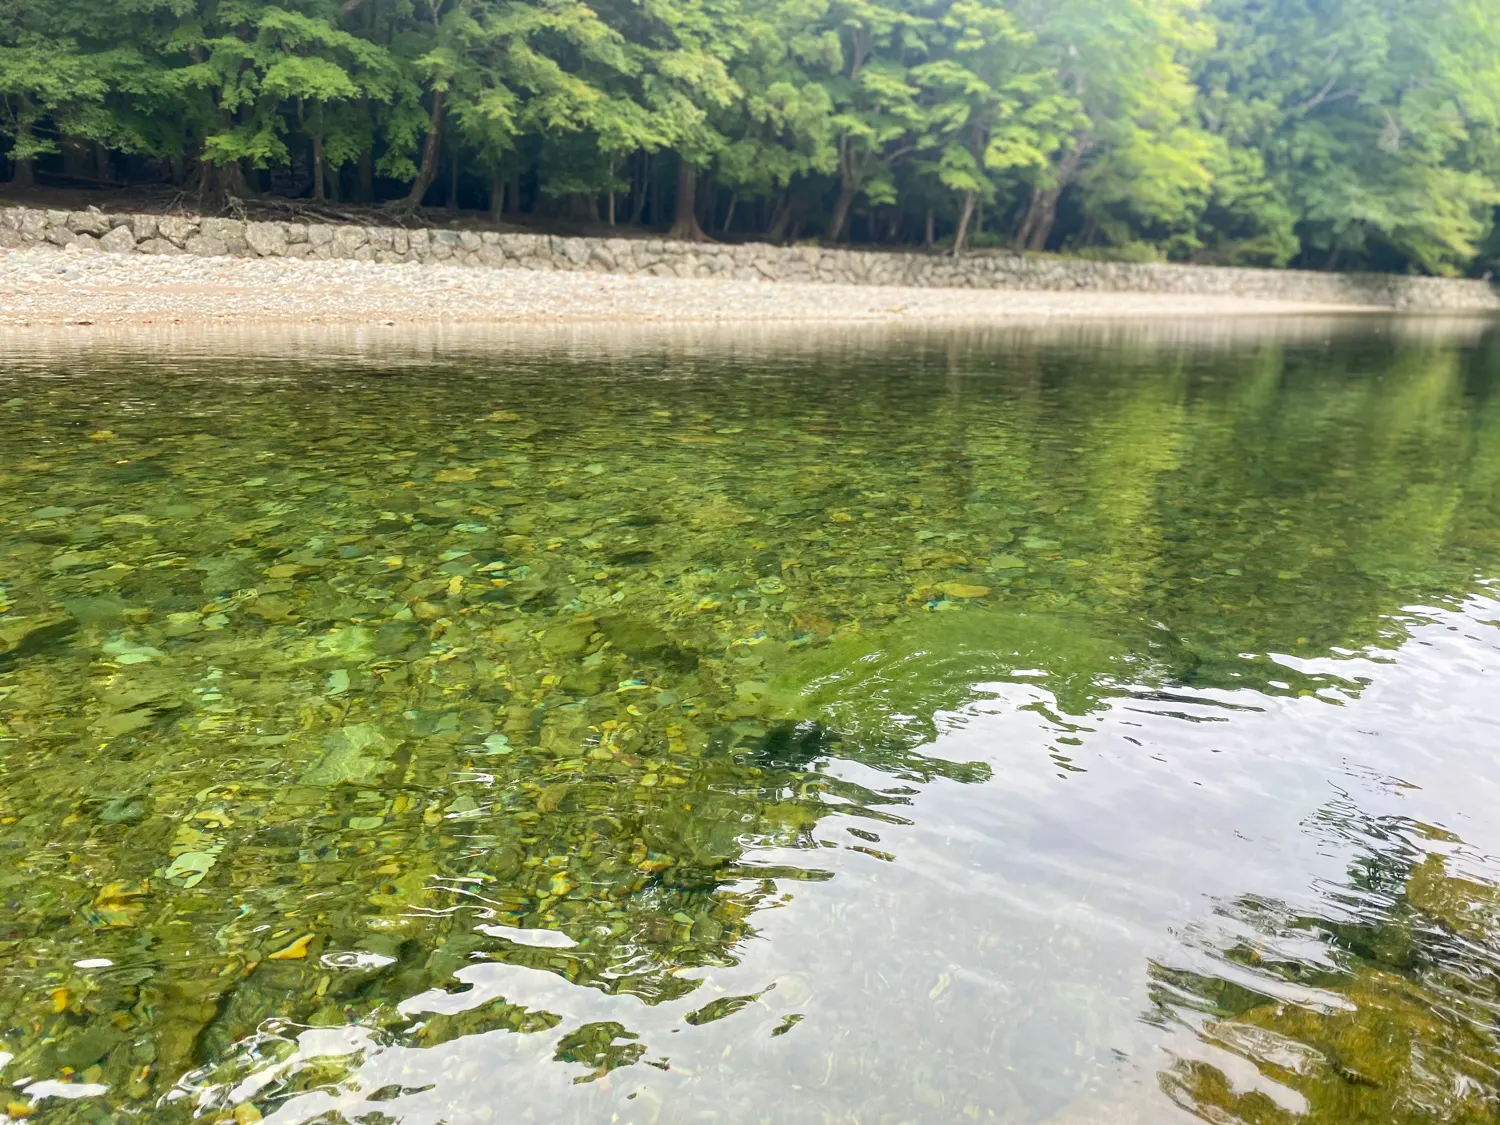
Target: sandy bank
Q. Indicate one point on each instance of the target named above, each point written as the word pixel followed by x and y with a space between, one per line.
pixel 46 286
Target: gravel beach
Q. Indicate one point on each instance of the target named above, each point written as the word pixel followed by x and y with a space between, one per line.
pixel 46 286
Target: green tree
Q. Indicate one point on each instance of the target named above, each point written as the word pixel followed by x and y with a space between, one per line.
pixel 878 116
pixel 53 87
pixel 1376 123
pixel 1324 133
pixel 987 117
pixel 781 127
pixel 1130 145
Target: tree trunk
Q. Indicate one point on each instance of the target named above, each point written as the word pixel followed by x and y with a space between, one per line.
pixel 847 191
pixel 216 183
pixel 76 161
pixel 1046 217
pixel 1028 220
pixel 453 185
pixel 101 164
pixel 23 172
pixel 639 190
pixel 427 170
pixel 317 143
pixel 685 220
pixel 708 204
pixel 228 181
pixel 1036 228
pixel 497 197
pixel 930 234
pixel 204 183
pixel 658 194
pixel 781 217
pixel 963 223
pixel 365 185
pixel 734 198
pixel 638 202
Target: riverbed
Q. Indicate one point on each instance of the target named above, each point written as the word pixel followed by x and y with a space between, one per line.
pixel 1070 724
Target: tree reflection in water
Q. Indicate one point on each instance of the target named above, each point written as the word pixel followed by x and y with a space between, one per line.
pixel 1382 1005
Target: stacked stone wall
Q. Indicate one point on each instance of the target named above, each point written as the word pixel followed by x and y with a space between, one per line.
pixel 217 237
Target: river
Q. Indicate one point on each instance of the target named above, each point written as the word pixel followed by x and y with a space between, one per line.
pixel 1051 725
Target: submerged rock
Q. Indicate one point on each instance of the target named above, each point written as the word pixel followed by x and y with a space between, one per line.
pixel 355 754
pixel 31 635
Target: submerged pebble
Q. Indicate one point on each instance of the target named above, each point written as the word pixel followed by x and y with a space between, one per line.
pixel 364 698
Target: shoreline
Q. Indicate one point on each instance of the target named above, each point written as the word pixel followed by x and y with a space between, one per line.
pixel 56 287
pixel 222 348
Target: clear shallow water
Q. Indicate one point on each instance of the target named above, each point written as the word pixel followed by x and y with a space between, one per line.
pixel 1023 728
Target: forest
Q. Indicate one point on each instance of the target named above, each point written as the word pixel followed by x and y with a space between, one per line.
pixel 1320 134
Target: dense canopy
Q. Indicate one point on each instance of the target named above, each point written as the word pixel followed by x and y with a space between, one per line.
pixel 1317 133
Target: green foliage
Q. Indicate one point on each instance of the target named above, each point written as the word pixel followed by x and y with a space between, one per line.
pixel 1375 124
pixel 1318 133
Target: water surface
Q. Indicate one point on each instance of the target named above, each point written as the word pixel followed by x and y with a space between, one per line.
pixel 1029 727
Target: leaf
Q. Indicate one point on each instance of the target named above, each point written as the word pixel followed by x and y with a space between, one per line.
pixel 189 868
pixel 118 905
pixel 295 951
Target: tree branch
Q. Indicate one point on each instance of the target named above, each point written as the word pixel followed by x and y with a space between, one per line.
pixel 1325 94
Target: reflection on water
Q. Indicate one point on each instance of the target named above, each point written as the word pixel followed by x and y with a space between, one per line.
pixel 856 731
pixel 1382 1006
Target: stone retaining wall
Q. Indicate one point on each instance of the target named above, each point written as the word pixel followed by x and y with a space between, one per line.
pixel 210 237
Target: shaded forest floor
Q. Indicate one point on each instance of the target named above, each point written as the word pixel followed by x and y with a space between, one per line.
pixel 156 200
